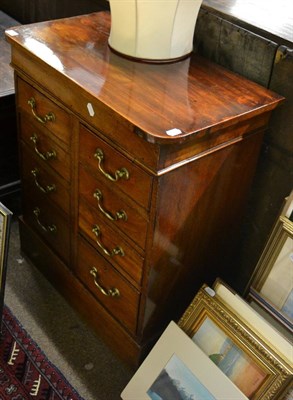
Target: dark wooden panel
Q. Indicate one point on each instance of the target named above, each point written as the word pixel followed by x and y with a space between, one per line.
pixel 270 64
pixel 267 18
pixel 27 11
pixel 15 9
pixel 282 82
pixel 273 180
pixel 235 48
pixel 40 10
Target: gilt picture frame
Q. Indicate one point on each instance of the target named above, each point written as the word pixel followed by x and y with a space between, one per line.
pixel 255 319
pixel 177 368
pixel 272 283
pixel 5 222
pixel 237 350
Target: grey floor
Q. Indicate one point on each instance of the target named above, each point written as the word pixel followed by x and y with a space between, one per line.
pixel 91 368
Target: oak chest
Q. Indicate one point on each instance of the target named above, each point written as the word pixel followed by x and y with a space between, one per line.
pixel 134 176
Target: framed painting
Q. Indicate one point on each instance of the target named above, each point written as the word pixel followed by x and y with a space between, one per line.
pixel 5 221
pixel 272 283
pixel 256 320
pixel 176 368
pixel 234 348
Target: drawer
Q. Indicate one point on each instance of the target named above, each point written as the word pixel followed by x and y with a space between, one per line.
pixel 41 143
pixel 108 286
pixel 111 166
pixel 43 182
pixel 50 223
pixel 113 207
pixel 44 111
pixel 110 243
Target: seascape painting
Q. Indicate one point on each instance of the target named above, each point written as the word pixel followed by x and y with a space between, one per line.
pixel 177 382
pixel 235 363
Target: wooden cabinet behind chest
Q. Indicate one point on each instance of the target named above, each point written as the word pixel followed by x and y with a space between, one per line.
pixel 126 218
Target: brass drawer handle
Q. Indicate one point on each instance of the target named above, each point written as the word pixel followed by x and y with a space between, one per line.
pixel 51 154
pixel 117 251
pixel 106 292
pixel 49 117
pixel 118 214
pixel 49 228
pixel 119 174
pixel 47 189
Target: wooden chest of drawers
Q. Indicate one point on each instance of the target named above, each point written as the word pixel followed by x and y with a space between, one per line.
pixel 124 217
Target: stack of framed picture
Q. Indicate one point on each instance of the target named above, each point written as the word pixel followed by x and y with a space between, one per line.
pixel 225 347
pixel 271 287
pixel 220 349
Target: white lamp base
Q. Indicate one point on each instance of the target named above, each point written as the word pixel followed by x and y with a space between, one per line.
pixel 153 30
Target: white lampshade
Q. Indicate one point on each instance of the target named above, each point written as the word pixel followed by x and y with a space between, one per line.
pixel 154 30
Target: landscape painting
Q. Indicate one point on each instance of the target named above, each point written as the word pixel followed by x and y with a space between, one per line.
pixel 230 358
pixel 177 382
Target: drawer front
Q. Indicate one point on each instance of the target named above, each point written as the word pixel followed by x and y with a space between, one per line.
pixel 110 243
pixel 108 286
pixel 49 222
pixel 42 182
pixel 111 166
pixel 47 151
pixel 126 216
pixel 44 111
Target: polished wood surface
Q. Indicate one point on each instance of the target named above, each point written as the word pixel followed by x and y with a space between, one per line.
pixel 128 259
pixel 197 223
pixel 77 48
pixel 59 127
pixel 184 195
pixel 43 182
pixel 108 279
pixel 273 18
pixel 112 203
pixel 137 184
pixel 45 143
pixel 47 218
pixel 77 295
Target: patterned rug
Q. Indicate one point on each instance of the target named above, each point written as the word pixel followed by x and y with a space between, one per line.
pixel 25 371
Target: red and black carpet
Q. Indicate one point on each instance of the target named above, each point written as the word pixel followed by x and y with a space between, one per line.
pixel 25 371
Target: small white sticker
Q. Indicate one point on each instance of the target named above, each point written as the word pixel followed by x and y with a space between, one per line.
pixel 11 32
pixel 90 109
pixel 210 291
pixel 173 132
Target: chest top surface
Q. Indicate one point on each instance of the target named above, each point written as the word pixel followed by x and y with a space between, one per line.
pixel 193 95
